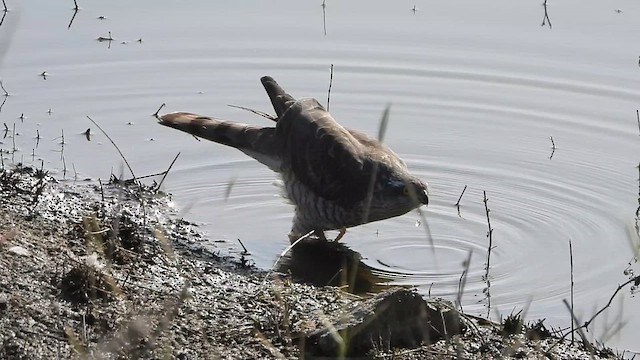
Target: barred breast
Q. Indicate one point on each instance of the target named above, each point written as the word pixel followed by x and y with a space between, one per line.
pixel 314 212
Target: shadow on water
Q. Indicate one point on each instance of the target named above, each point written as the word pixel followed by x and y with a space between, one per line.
pixel 319 262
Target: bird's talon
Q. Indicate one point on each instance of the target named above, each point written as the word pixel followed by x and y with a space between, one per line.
pixel 341 234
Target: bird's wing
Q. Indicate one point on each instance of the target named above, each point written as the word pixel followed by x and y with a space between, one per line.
pixel 379 150
pixel 257 142
pixel 280 100
pixel 323 155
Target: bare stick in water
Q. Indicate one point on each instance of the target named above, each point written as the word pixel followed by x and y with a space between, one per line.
pixel 155 114
pixel 244 248
pixel 5 6
pixel 553 147
pixel 635 281
pixel 76 8
pixel 490 236
pixel 573 323
pixel 330 83
pixel 638 117
pixel 545 19
pixel 460 198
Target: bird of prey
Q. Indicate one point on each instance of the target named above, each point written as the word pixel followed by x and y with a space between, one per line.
pixel 336 177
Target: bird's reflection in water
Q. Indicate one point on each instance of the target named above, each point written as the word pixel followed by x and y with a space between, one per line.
pixel 320 262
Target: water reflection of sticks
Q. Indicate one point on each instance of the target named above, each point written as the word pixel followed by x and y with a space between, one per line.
pixel 545 19
pixel 75 12
pixel 4 12
pixel 109 39
pixel 6 93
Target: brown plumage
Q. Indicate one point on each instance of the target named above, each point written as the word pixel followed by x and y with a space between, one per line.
pixel 335 177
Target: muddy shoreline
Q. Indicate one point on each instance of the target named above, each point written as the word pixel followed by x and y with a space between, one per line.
pixel 109 270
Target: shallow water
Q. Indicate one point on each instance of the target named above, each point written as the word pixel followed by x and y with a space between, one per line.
pixel 476 91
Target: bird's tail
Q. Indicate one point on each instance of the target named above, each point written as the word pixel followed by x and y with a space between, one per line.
pixel 257 142
pixel 280 100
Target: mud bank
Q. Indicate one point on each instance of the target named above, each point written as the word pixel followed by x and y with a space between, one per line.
pixel 109 270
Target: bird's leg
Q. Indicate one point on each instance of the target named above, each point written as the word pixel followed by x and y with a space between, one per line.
pixel 320 235
pixel 341 234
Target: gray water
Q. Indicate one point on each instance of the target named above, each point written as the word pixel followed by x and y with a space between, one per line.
pixel 476 91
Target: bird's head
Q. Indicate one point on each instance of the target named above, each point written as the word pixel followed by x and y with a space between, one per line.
pixel 397 194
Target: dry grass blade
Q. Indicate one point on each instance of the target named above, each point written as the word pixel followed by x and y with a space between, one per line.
pixel 330 84
pixel 75 342
pixel 257 112
pixel 633 231
pixel 267 344
pixel 167 172
pixel 116 146
pixel 382 129
pixel 463 281
pixel 230 184
pixel 586 342
pixel 284 252
pixel 427 230
pixel 324 17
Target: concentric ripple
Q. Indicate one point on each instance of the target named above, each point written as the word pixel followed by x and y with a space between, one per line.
pixel 476 95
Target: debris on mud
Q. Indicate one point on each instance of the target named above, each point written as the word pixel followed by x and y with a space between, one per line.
pixel 106 271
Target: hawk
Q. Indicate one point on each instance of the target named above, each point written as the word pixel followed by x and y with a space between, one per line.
pixel 336 177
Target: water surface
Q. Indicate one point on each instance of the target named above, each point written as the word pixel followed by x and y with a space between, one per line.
pixel 476 91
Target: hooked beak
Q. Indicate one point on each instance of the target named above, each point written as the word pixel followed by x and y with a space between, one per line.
pixel 423 197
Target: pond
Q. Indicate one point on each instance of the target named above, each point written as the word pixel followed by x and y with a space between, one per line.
pixel 534 105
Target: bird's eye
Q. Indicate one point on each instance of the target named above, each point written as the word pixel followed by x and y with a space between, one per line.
pixel 405 190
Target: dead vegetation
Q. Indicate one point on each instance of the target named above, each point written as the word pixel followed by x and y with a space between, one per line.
pixel 86 273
